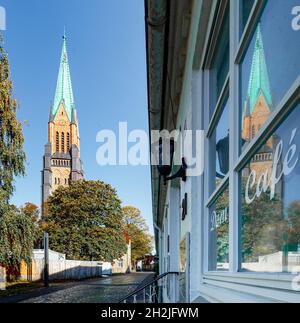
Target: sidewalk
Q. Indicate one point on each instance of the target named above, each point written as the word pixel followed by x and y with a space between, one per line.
pixel 99 290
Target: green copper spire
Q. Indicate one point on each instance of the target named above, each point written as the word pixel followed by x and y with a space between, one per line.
pixel 259 79
pixel 64 92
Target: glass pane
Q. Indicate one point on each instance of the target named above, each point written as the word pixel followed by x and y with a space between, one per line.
pixel 219 234
pixel 270 67
pixel 246 7
pixel 182 271
pixel 220 147
pixel 271 202
pixel 220 64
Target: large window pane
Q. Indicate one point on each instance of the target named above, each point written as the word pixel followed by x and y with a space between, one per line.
pixel 246 7
pixel 271 202
pixel 219 234
pixel 220 63
pixel 220 147
pixel 270 66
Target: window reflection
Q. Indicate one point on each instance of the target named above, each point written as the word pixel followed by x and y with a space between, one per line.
pixel 219 234
pixel 182 270
pixel 220 63
pixel 271 202
pixel 220 146
pixel 270 67
pixel 246 7
pixel 258 104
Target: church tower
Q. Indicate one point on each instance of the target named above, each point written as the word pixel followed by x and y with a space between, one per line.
pixel 62 163
pixel 258 107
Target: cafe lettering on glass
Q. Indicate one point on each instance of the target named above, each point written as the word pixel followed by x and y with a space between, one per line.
pixel 268 181
pixel 219 218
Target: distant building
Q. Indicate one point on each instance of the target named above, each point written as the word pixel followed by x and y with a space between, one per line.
pixel 61 162
pixel 258 107
pixel 121 265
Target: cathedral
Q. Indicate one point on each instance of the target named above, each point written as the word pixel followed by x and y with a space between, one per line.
pixel 61 161
pixel 258 107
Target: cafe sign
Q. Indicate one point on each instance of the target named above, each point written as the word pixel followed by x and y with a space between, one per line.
pixel 268 180
pixel 219 218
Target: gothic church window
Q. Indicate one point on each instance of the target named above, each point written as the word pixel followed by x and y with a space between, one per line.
pixel 68 141
pixel 253 132
pixel 62 142
pixel 57 142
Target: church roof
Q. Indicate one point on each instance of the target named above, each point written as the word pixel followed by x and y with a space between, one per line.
pixel 64 92
pixel 259 79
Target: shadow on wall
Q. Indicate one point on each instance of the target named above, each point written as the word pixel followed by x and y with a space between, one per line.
pixel 61 270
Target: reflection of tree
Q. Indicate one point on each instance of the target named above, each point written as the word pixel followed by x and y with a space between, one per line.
pixel 266 227
pixel 222 232
pixel 262 225
pixel 293 226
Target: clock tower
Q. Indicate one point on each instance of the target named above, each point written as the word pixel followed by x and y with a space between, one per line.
pixel 61 162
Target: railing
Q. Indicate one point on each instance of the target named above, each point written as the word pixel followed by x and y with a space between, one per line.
pixel 150 292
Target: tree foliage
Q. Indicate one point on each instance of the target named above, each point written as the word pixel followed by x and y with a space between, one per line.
pixel 85 221
pixel 32 211
pixel 138 230
pixel 17 232
pixel 17 235
pixel 12 156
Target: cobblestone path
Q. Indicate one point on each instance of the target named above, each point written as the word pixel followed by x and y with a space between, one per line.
pixel 102 290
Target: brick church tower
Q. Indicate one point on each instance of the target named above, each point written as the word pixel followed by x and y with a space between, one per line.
pixel 61 162
pixel 258 107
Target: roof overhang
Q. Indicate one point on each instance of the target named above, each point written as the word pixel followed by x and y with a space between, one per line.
pixel 167 31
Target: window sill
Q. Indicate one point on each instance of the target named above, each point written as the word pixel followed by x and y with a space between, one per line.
pixel 277 287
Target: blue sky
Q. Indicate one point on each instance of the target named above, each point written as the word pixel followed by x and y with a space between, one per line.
pixel 106 47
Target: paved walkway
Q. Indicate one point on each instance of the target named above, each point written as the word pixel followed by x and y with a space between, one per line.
pixel 101 290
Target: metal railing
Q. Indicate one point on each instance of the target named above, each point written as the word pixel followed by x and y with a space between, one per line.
pixel 151 292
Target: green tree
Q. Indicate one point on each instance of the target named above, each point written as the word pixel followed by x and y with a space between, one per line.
pixel 17 235
pixel 12 156
pixel 16 229
pixel 32 211
pixel 85 221
pixel 138 230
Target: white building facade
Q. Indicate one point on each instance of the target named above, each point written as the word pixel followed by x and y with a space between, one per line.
pixel 231 69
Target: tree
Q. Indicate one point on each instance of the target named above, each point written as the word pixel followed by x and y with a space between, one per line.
pixel 85 221
pixel 16 229
pixel 32 211
pixel 12 156
pixel 17 235
pixel 138 230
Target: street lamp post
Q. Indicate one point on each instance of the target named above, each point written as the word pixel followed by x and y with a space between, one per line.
pixel 46 259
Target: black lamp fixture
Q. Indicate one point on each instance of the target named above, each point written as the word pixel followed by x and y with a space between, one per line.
pixel 222 148
pixel 164 169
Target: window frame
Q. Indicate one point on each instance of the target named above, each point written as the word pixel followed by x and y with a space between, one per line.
pixel 212 117
pixel 238 159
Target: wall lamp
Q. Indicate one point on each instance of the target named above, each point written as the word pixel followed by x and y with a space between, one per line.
pixel 165 169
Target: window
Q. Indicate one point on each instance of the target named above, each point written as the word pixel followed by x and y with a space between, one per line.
pixel 245 7
pixel 120 263
pixel 68 142
pixel 219 64
pixel 57 142
pixel 256 227
pixel 270 66
pixel 271 202
pixel 219 144
pixel 62 142
pixel 252 132
pixel 219 233
pixel 217 204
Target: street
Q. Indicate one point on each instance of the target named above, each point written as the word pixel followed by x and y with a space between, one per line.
pixel 100 290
